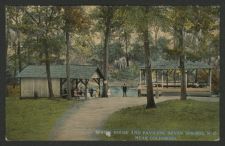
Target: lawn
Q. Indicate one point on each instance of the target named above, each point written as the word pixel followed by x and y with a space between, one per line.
pixel 30 119
pixel 171 120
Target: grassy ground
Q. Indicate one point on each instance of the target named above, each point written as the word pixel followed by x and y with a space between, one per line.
pixel 172 120
pixel 30 119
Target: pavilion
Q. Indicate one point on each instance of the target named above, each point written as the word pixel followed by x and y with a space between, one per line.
pixel 163 68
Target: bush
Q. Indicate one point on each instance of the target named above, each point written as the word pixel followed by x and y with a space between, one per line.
pixel 13 91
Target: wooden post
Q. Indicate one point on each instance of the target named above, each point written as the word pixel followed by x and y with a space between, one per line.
pixel 76 81
pixel 162 79
pixel 167 78
pixel 145 77
pixel 196 75
pixel 85 92
pixel 174 80
pixel 140 77
pixel 99 87
pixel 186 79
pixel 98 81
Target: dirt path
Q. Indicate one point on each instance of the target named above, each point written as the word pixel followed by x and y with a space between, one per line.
pixel 81 122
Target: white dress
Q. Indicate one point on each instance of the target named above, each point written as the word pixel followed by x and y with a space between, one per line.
pixel 109 93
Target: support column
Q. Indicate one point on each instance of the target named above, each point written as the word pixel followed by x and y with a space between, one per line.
pixel 60 82
pixel 174 79
pixel 157 89
pixel 98 81
pixel 167 78
pixel 186 79
pixel 99 93
pixel 196 76
pixel 162 80
pixel 76 86
pixel 85 84
pixel 145 77
pixel 140 78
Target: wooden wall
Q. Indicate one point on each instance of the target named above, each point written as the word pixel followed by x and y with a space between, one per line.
pixel 30 85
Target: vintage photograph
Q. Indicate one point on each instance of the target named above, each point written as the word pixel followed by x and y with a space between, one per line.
pixel 112 73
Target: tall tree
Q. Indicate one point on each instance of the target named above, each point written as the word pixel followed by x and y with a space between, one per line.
pixel 75 21
pixel 104 15
pixel 109 16
pixel 150 97
pixel 125 31
pixel 14 25
pixel 189 20
pixel 140 18
pixel 44 24
pixel 178 19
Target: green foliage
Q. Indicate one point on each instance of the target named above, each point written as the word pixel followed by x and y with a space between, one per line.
pixel 38 23
pixel 100 14
pixel 29 119
pixel 129 73
pixel 115 51
pixel 173 115
pixel 137 53
pixel 75 19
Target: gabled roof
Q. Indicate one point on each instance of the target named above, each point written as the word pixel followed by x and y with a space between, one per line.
pixel 59 71
pixel 174 64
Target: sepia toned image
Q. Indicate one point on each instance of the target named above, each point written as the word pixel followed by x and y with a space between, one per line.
pixel 112 73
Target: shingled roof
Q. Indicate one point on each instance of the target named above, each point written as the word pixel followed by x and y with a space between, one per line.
pixel 59 71
pixel 173 64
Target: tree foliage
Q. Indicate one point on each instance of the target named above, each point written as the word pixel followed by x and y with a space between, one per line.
pixel 102 34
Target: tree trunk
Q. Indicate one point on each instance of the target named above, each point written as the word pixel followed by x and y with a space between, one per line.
pixel 15 66
pixel 47 63
pixel 126 48
pixel 106 51
pixel 156 36
pixel 150 96
pixel 19 51
pixel 67 64
pixel 40 53
pixel 4 58
pixel 182 67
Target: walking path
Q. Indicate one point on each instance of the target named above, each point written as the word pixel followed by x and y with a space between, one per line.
pixel 80 122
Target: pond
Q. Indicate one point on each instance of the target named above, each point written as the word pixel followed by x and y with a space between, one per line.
pixel 117 91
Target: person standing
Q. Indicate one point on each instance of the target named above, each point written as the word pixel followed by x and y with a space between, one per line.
pixel 124 90
pixel 97 93
pixel 91 90
pixel 109 92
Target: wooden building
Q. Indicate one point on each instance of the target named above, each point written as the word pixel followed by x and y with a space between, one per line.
pixel 162 70
pixel 33 79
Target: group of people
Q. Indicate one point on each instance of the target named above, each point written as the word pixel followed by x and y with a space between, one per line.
pixel 124 88
pixel 77 92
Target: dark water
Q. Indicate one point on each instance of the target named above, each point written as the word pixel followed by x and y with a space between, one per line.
pixel 117 91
